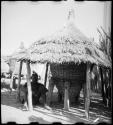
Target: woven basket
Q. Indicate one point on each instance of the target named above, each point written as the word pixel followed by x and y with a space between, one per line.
pixel 74 90
pixel 75 74
pixel 68 71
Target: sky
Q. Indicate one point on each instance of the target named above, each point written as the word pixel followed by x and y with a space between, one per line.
pixel 25 21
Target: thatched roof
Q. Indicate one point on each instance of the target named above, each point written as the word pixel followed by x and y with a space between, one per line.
pixel 67 45
pixel 21 53
pixel 64 46
pixel 4 66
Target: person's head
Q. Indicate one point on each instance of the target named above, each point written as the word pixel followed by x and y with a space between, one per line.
pixel 34 77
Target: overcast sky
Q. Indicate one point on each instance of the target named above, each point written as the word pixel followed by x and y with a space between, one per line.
pixel 28 21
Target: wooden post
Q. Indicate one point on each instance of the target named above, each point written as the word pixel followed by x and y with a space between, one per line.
pixel 102 84
pixel 11 81
pixel 29 86
pixel 50 91
pixel 19 80
pixel 46 72
pixel 66 96
pixel 87 92
pixel 111 87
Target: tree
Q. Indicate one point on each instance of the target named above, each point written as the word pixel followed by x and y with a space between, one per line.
pixel 105 42
pixel 105 46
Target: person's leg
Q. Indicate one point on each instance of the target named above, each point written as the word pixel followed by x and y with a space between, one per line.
pixel 25 105
pixel 25 101
pixel 60 97
pixel 43 96
pixel 36 98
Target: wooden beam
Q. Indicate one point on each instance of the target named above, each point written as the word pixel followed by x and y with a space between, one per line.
pixel 29 86
pixel 46 72
pixel 11 82
pixel 92 66
pixel 50 91
pixel 88 91
pixel 111 85
pixel 102 83
pixel 19 80
pixel 66 96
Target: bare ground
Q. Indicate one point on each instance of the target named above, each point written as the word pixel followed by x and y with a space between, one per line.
pixel 11 110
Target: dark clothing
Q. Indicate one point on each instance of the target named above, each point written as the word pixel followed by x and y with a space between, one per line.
pixel 2 75
pixel 14 83
pixel 38 90
pixel 23 93
pixel 38 87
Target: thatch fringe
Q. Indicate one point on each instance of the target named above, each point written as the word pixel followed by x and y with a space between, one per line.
pixel 66 45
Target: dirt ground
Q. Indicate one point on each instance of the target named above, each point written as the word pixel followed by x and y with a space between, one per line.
pixel 11 110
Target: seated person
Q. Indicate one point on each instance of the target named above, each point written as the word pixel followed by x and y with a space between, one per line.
pixel 38 90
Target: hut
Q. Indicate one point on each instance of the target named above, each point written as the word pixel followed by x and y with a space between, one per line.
pixel 21 55
pixel 70 56
pixel 11 63
pixel 16 69
pixel 4 66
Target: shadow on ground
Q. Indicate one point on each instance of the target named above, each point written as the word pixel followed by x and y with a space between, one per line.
pixel 76 112
pixel 62 115
pixel 39 120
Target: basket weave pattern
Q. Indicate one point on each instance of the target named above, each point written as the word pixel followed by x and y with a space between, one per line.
pixel 75 74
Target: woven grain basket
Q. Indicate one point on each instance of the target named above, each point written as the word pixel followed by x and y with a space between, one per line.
pixel 75 74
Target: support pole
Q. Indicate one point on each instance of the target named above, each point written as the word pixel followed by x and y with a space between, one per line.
pixel 50 91
pixel 11 82
pixel 29 86
pixel 88 91
pixel 66 96
pixel 102 83
pixel 19 80
pixel 111 88
pixel 46 72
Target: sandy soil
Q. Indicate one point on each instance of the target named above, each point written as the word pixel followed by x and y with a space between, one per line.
pixel 11 110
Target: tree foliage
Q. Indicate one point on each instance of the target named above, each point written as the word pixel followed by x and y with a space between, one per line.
pixel 105 42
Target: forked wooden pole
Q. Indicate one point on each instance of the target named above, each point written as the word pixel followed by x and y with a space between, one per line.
pixel 19 80
pixel 11 81
pixel 66 96
pixel 46 72
pixel 111 86
pixel 29 86
pixel 87 92
pixel 50 91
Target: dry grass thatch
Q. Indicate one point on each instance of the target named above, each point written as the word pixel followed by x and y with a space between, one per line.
pixel 105 42
pixel 21 54
pixel 4 66
pixel 64 46
pixel 67 45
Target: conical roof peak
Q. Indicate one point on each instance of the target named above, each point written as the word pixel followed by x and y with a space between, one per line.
pixel 21 46
pixel 71 14
pixel 67 44
pixel 71 10
pixel 20 53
